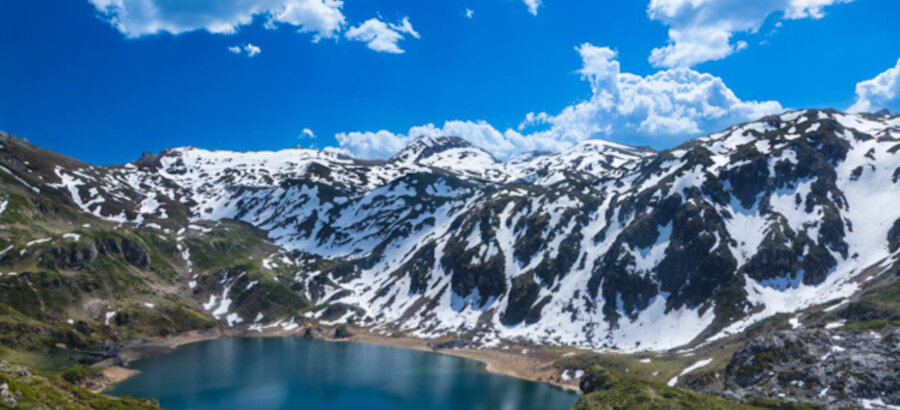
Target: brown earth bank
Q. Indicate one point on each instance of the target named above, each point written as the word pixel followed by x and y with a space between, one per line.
pixel 530 363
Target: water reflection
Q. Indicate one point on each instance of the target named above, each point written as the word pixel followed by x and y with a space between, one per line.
pixel 288 373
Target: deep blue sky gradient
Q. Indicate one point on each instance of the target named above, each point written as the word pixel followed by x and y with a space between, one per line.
pixel 71 83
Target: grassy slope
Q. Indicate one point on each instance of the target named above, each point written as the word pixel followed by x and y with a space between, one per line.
pixel 54 294
pixel 36 303
pixel 37 390
pixel 611 390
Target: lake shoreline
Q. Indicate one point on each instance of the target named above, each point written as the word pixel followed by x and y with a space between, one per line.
pixel 526 363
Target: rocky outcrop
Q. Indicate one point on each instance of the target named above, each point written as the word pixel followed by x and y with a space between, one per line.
pixel 894 235
pixel 577 248
pixel 606 389
pixel 835 369
pixel 70 256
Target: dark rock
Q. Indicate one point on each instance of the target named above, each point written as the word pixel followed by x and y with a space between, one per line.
pixel 342 332
pixel 829 368
pixel 522 295
pixel 454 344
pixel 596 379
pixel 71 256
pixel 894 236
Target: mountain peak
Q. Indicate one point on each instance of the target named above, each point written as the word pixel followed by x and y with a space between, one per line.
pixel 427 146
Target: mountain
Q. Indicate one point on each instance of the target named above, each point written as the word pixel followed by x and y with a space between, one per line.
pixel 601 246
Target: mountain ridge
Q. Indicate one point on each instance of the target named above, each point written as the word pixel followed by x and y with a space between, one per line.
pixel 600 246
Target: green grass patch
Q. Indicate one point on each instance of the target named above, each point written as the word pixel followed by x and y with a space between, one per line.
pixel 610 390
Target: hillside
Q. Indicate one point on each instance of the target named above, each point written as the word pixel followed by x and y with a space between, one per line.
pixel 603 247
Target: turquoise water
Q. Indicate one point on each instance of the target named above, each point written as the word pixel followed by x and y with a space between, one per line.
pixel 290 373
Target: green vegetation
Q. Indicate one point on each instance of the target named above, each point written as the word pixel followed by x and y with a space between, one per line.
pixel 166 319
pixel 228 243
pixel 652 367
pixel 30 390
pixel 74 287
pixel 878 308
pixel 605 389
pixel 79 373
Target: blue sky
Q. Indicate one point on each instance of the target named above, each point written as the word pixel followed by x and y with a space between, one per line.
pixel 101 81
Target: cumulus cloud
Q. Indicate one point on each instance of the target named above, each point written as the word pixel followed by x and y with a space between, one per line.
pixel 371 145
pixel 665 107
pixel 880 92
pixel 380 36
pixel 702 30
pixel 384 144
pixel 533 6
pixel 136 18
pixel 669 104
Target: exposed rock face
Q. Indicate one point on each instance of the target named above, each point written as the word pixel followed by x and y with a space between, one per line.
pixel 835 369
pixel 71 256
pixel 601 246
pixel 894 235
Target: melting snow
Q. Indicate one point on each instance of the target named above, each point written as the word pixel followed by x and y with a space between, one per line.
pixel 72 236
pixel 674 380
pixel 834 325
pixel 37 242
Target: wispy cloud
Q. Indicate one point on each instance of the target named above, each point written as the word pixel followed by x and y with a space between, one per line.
pixel 533 6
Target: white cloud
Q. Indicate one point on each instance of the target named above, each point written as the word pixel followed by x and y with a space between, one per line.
pixel 371 145
pixel 136 18
pixel 322 17
pixel 533 6
pixel 308 133
pixel 384 144
pixel 250 49
pixel 702 30
pixel 880 92
pixel 469 13
pixel 380 36
pixel 666 107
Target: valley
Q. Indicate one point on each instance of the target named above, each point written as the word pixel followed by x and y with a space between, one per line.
pixel 698 270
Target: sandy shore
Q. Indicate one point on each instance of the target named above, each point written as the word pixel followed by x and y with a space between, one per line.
pixel 110 376
pixel 527 363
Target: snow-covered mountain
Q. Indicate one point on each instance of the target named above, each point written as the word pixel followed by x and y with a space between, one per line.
pixel 602 245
